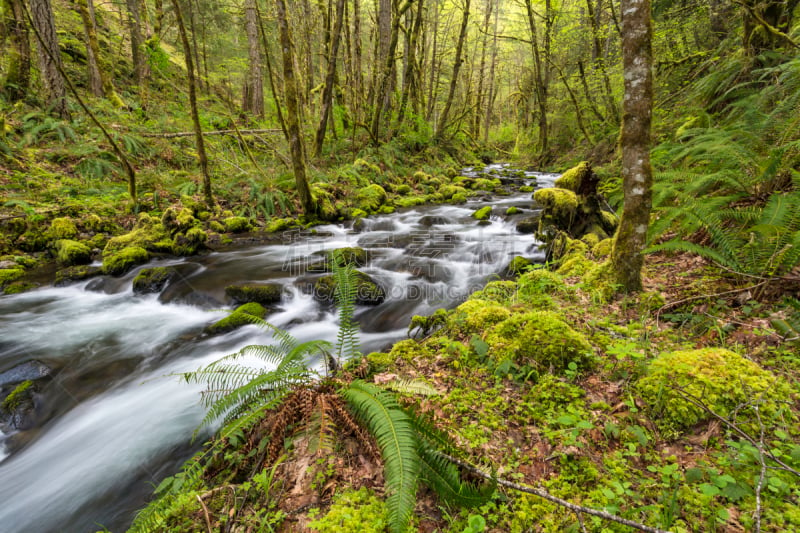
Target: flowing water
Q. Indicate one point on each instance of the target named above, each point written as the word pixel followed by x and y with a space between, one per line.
pixel 114 420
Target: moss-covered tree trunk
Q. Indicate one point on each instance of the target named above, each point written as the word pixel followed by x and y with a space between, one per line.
pixel 99 81
pixel 137 42
pixel 50 57
pixel 18 67
pixel 293 112
pixel 198 130
pixel 462 34
pixel 253 98
pixel 637 176
pixel 330 77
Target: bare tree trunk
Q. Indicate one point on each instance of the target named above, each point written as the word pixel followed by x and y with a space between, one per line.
pixel 198 130
pixel 442 123
pixel 492 90
pixel 637 175
pixel 50 59
pixel 540 86
pixel 18 74
pixel 253 98
pixel 330 77
pixel 292 112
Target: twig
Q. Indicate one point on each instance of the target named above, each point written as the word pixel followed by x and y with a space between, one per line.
pixel 696 402
pixel 536 491
pixel 670 305
pixel 205 513
pixel 580 521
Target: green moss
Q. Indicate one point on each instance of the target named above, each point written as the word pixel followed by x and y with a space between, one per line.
pixel 477 316
pixel 8 275
pixel 151 280
pixel 600 282
pixel 148 233
pixel 602 248
pixel 503 292
pixel 237 224
pixel 592 239
pixel 559 205
pixel 386 209
pixel 448 191
pixel 483 184
pixel 242 316
pixel 70 253
pixel 62 228
pixel 263 294
pixel 483 213
pixel 573 178
pixel 32 241
pixel 512 210
pixel 403 189
pixel 370 198
pixel 326 204
pixel 20 394
pixel 18 287
pixel 609 222
pixel 420 176
pixel 526 188
pixel 410 201
pixel 357 213
pixel 575 265
pixel 75 273
pixel 353 512
pixel 216 226
pixel 379 361
pixel 353 255
pixel 517 266
pixel 118 263
pixel 410 350
pixel 541 338
pixel 175 219
pixel 720 379
pixel 459 198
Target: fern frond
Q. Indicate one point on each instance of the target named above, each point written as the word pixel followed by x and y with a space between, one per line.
pixel 397 440
pixel 444 477
pixel 347 342
pixel 677 245
pixel 412 386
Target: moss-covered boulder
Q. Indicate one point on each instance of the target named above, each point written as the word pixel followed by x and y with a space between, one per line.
pixel 118 263
pixel 325 203
pixel 449 191
pixel 10 275
pixel 153 280
pixel 529 224
pixel 242 316
pixel 602 248
pixel 368 292
pixel 513 210
pixel 578 178
pixel 71 253
pixel 483 213
pixel 516 266
pixel 485 184
pixel 266 294
pixel 189 243
pixel 541 339
pixel 178 219
pixel 559 208
pixel 65 276
pixel 237 224
pixel 722 380
pixel 62 228
pixel 370 198
pixel 477 316
pixel 353 255
pixel 148 234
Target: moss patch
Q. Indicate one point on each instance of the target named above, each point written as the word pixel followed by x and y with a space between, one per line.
pixel 477 316
pixel 236 224
pixel 75 273
pixel 573 178
pixel 62 228
pixel 353 512
pixel 119 263
pixel 483 213
pixel 151 280
pixel 20 394
pixel 70 253
pixel 262 294
pixel 243 315
pixel 371 198
pixel 559 206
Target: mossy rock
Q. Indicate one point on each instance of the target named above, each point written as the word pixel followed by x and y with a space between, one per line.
pixel 448 191
pixel 722 380
pixel 386 209
pixel 459 198
pixel 529 224
pixel 410 350
pixel 379 361
pixel 483 213
pixel 574 179
pixel 237 224
pixel 71 253
pixel 76 273
pixel 153 280
pixel 175 219
pixel 403 189
pixel 600 281
pixel 325 204
pixel 62 228
pixel 541 338
pixel 216 226
pixel 512 211
pixel 539 281
pixel 526 188
pixel 32 241
pixel 368 292
pixel 602 248
pixel 20 394
pixel 148 233
pixel 118 263
pixel 357 213
pixel 517 266
pixel 592 239
pixel 575 265
pixel 609 222
pixel 410 201
pixel 477 316
pixel 484 184
pixel 353 255
pixel 560 206
pixel 280 224
pixel 370 198
pixel 10 275
pixel 267 294
pixel 242 316
pixel 189 243
pixel 504 292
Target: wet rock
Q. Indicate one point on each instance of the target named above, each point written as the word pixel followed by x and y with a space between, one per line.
pixel 267 294
pixel 153 280
pixel 242 316
pixel 529 224
pixel 28 371
pixel 65 276
pixel 433 220
pixel 368 292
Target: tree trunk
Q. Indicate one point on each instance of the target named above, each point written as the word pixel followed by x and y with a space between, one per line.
pixel 198 130
pixel 253 99
pixel 330 77
pixel 50 59
pixel 479 95
pixel 18 74
pixel 637 175
pixel 411 71
pixel 442 123
pixel 292 112
pixel 540 87
pixel 137 43
pixel 159 5
pixel 492 91
pixel 100 82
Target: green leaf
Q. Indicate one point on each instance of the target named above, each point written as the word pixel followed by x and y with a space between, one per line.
pixel 709 490
pixel 693 475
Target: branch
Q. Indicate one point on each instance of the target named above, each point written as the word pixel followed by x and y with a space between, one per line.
pixel 207 133
pixel 536 491
pixel 766 25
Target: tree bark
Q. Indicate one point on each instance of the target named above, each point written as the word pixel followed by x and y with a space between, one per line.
pixel 18 74
pixel 487 122
pixel 442 124
pixel 100 82
pixel 50 59
pixel 137 42
pixel 330 77
pixel 292 112
pixel 253 99
pixel 479 94
pixel 637 175
pixel 540 86
pixel 198 130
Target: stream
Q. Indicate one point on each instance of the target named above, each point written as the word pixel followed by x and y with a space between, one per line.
pixel 112 420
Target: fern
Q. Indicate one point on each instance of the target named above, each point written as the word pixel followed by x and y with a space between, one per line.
pixel 396 437
pixel 347 343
